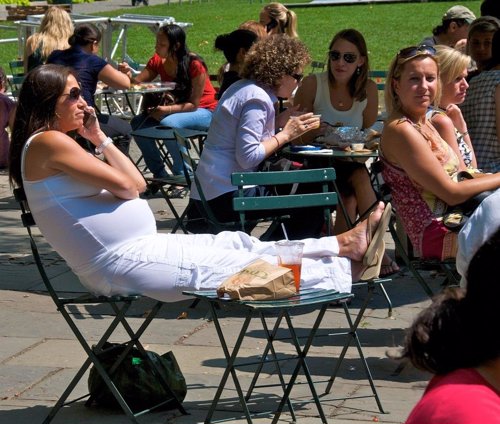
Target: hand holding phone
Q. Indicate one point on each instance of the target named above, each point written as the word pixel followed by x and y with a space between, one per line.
pixel 88 119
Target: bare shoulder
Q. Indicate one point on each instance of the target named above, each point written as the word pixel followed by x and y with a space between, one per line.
pixel 54 140
pixel 371 87
pixel 309 83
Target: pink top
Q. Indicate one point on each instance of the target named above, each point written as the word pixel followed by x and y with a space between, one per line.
pixel 462 396
pixel 417 207
pixel 196 68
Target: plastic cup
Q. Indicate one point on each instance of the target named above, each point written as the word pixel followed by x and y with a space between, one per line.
pixel 317 123
pixel 290 256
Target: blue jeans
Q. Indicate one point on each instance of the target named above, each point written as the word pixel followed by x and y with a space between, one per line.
pixel 198 120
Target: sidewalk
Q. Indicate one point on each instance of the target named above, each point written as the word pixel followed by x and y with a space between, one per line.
pixel 38 354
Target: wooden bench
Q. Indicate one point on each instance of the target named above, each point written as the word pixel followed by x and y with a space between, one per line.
pixel 18 13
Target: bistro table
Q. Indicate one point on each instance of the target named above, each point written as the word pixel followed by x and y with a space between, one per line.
pixel 128 103
pixel 306 300
pixel 315 157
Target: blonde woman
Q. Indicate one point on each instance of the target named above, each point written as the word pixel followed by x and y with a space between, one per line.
pixel 279 20
pixel 55 29
pixel 446 116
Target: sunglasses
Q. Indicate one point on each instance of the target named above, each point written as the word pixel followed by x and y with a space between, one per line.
pixel 348 57
pixel 412 51
pixel 271 24
pixel 297 77
pixel 74 94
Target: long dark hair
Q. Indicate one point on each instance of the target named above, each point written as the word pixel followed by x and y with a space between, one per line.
pixel 85 34
pixel 36 110
pixel 459 329
pixel 178 48
pixel 230 44
pixel 358 81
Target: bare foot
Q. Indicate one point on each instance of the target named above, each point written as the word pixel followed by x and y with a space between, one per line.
pixel 389 266
pixel 354 243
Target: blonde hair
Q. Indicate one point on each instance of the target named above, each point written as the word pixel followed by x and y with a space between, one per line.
pixel 55 29
pixel 286 19
pixel 256 27
pixel 396 68
pixel 451 63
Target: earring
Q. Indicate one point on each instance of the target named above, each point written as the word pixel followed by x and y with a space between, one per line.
pixel 358 70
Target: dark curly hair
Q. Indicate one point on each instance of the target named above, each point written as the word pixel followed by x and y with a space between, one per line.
pixel 273 57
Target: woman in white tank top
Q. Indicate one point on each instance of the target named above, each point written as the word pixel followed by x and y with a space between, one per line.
pixel 344 96
pixel 90 212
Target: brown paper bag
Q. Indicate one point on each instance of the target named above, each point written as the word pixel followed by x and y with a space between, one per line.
pixel 259 280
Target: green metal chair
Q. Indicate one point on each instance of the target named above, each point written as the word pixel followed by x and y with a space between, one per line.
pixel 328 200
pixel 119 306
pixel 404 248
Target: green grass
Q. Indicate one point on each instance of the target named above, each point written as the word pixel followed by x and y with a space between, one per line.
pixel 386 27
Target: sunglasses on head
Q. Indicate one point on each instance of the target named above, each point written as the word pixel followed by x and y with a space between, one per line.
pixel 74 94
pixel 297 77
pixel 348 57
pixel 412 51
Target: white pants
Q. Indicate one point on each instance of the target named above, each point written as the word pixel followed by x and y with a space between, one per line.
pixel 163 265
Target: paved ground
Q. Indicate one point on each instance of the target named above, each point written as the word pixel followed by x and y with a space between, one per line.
pixel 38 354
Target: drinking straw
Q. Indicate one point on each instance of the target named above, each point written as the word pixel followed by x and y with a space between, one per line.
pixel 284 230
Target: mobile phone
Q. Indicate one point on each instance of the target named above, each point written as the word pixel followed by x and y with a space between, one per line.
pixel 273 23
pixel 88 119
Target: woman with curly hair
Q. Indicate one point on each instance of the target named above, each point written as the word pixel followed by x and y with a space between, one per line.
pixel 279 20
pixel 55 29
pixel 242 134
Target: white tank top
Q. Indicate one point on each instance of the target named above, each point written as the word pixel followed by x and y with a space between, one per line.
pixel 323 106
pixel 86 225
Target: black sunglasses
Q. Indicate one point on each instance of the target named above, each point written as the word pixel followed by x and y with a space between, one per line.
pixel 348 57
pixel 74 94
pixel 297 77
pixel 412 51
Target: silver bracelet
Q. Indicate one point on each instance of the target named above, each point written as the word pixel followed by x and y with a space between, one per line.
pixel 100 149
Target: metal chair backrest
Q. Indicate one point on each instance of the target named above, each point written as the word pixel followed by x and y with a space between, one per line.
pixel 326 198
pixel 403 245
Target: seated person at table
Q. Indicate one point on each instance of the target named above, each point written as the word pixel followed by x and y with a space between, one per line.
pixel 447 117
pixel 418 163
pixel 344 96
pixel 235 46
pixel 82 57
pixel 453 29
pixel 194 96
pixel 453 339
pixel 481 110
pixel 90 212
pixel 55 29
pixel 279 20
pixel 242 134
pixel 479 42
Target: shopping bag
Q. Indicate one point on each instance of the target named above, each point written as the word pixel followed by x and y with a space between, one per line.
pixel 259 280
